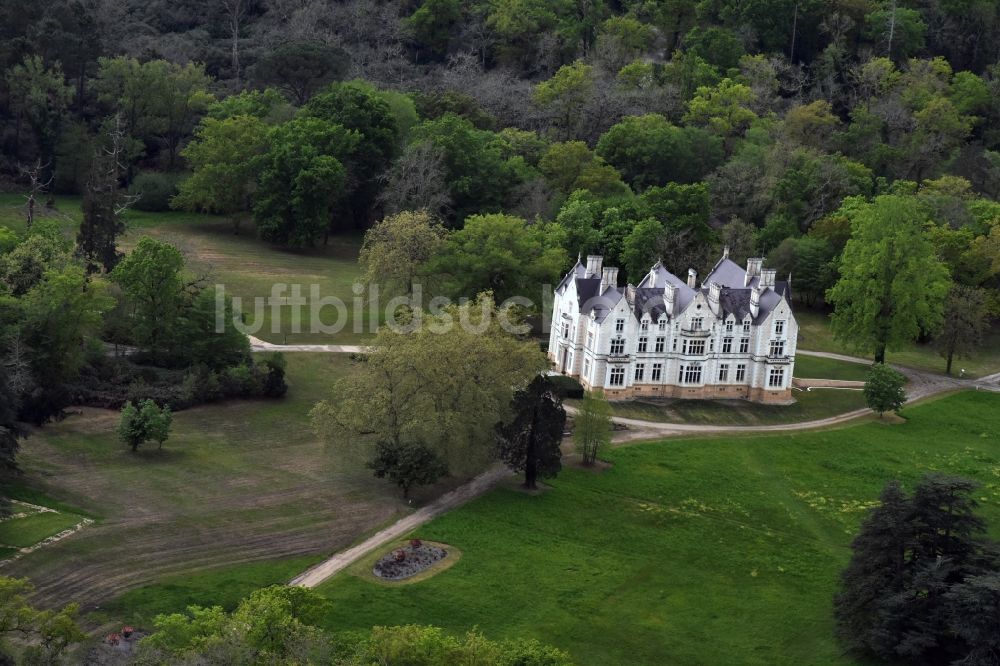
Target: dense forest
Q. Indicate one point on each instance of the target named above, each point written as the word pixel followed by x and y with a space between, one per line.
pixel 525 129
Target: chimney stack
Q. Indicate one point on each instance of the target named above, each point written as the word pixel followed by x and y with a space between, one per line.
pixel 714 292
pixel 609 279
pixel 692 277
pixel 670 298
pixel 767 276
pixel 725 252
pixel 753 270
pixel 755 302
pixel 652 279
pixel 594 262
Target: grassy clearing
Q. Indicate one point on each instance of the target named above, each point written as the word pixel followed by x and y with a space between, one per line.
pixel 246 266
pixel 237 482
pixel 816 367
pixel 706 551
pixel 815 335
pixel 809 405
pixel 224 587
pixel 27 531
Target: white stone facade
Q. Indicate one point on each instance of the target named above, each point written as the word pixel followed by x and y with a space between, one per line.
pixel 734 336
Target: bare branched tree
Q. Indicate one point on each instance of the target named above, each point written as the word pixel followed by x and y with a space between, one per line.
pixel 235 11
pixel 37 185
pixel 416 181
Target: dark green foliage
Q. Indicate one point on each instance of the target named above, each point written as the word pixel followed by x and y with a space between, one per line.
pixel 10 430
pixel 407 464
pixel 884 389
pixel 921 585
pixel 530 441
pixel 566 387
pixel 154 191
pixel 301 68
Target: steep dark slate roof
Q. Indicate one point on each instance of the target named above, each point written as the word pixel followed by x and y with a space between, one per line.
pixel 729 274
pixel 649 299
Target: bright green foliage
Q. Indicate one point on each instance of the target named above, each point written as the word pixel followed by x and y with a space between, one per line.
pixel 397 249
pixel 649 151
pixel 24 265
pixel 564 96
pixel 905 26
pixel 407 464
pixel 503 254
pixel 150 279
pixel 268 105
pixel 884 389
pixel 273 625
pixel 38 97
pixel 48 633
pixel 592 427
pixel 430 646
pixel 572 166
pixel 723 109
pixel 302 181
pixel 225 157
pixel 892 286
pixel 143 423
pixel 62 315
pixel 444 384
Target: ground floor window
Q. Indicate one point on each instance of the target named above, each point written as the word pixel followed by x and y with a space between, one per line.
pixel 741 372
pixel 640 371
pixel 657 372
pixel 777 378
pixel 617 376
pixel 724 372
pixel 586 367
pixel 690 374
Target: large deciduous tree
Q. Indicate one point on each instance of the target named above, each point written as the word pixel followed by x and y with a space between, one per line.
pixel 503 254
pixel 303 180
pixel 892 287
pixel 444 383
pixel 300 68
pixel 530 440
pixel 225 158
pixel 150 279
pixel 396 251
pixel 407 464
pixel 965 319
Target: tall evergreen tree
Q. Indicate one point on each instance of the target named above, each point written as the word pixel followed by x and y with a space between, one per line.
pixel 529 442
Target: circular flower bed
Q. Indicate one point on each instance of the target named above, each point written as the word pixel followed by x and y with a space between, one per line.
pixel 408 560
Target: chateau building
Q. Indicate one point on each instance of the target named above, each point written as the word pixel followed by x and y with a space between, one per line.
pixel 732 337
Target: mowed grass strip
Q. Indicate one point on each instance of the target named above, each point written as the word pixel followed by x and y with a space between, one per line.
pixel 704 551
pixel 817 367
pixel 29 530
pixel 815 335
pixel 808 406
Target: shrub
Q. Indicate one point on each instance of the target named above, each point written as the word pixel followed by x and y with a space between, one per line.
pixel 567 387
pixel 155 190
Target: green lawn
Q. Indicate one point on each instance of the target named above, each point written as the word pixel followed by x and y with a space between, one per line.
pixel 815 335
pixel 808 406
pixel 247 267
pixel 816 367
pixel 223 587
pixel 705 551
pixel 237 482
pixel 27 531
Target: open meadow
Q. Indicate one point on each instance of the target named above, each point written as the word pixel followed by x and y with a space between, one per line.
pixel 716 550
